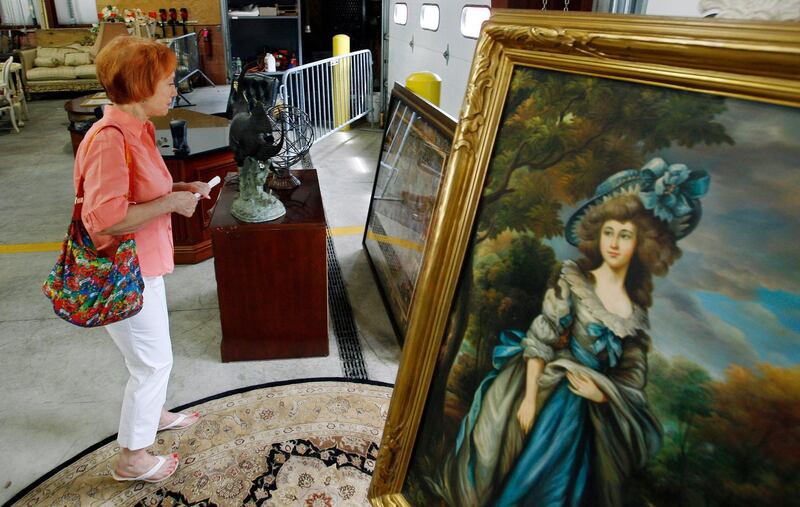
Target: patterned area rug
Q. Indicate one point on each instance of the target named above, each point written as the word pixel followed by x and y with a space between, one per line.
pixel 310 443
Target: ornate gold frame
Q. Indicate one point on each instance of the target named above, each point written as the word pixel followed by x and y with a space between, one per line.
pixel 750 60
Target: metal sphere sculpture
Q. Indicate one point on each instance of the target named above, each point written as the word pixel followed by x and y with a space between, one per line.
pixel 298 136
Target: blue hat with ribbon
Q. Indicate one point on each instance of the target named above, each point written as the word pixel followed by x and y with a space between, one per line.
pixel 671 192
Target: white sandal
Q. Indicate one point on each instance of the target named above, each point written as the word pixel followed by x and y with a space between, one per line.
pixel 181 417
pixel 145 477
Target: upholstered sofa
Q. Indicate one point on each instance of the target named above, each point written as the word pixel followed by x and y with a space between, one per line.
pixel 59 63
pixel 54 69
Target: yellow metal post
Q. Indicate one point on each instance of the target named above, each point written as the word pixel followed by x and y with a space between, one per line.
pixel 425 84
pixel 341 81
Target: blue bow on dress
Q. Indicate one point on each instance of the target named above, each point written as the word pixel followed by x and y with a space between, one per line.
pixel 510 345
pixel 605 340
pixel 668 190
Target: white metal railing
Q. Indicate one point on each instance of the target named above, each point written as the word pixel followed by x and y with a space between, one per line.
pixel 334 92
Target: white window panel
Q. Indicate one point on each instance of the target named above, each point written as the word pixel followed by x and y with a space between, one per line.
pixel 401 13
pixel 429 17
pixel 77 12
pixel 472 16
pixel 15 12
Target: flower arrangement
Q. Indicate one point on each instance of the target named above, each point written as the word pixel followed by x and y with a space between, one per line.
pixel 109 14
pixel 93 31
pixel 137 22
pixel 133 15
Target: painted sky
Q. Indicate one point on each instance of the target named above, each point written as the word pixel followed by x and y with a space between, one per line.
pixel 734 296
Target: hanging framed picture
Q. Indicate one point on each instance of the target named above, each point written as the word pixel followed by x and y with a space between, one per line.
pixel 416 143
pixel 607 311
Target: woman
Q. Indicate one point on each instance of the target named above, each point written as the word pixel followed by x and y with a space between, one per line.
pixel 120 151
pixel 563 418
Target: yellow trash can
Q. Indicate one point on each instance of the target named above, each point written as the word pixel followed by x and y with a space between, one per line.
pixel 341 81
pixel 425 84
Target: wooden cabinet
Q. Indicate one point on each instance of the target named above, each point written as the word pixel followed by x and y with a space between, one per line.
pixel 272 277
pixel 209 156
pixel 191 236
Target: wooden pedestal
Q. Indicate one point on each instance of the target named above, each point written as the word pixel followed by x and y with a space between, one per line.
pixel 272 277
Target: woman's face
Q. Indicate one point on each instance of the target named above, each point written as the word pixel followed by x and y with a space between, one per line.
pixel 617 243
pixel 160 102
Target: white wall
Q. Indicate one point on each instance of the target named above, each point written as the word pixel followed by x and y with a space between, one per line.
pixel 426 55
pixel 673 7
pixel 732 9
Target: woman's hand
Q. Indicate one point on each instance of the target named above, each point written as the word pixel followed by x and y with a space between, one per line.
pixel 198 187
pixel 183 203
pixel 582 385
pixel 526 413
pixel 527 409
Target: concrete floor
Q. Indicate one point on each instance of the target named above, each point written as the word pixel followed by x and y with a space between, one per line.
pixel 61 385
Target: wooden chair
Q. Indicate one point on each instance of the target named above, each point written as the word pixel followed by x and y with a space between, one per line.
pixel 11 99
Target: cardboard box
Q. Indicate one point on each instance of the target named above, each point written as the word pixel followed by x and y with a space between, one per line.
pixel 267 11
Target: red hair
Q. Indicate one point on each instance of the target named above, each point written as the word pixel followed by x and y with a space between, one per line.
pixel 130 67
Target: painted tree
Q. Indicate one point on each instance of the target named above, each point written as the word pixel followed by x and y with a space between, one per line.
pixel 733 442
pixel 753 434
pixel 680 394
pixel 560 136
pixel 507 295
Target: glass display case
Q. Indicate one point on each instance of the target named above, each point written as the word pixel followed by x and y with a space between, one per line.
pixel 416 144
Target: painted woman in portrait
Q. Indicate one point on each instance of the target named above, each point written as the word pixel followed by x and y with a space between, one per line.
pixel 562 419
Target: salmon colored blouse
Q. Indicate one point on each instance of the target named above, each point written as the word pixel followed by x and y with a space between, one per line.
pixel 101 161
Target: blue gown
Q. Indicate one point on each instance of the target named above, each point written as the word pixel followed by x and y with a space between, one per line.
pixel 554 467
pixel 578 451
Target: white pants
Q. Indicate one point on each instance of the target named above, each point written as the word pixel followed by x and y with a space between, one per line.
pixel 145 344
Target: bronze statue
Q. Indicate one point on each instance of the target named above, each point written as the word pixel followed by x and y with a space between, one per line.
pixel 253 141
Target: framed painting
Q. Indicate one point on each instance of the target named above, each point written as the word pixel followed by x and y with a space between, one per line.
pixel 416 143
pixel 607 310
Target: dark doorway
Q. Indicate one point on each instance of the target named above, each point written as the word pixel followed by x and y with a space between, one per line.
pixel 359 19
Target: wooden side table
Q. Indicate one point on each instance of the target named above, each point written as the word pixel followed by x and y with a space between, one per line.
pixel 209 156
pixel 272 277
pixel 191 236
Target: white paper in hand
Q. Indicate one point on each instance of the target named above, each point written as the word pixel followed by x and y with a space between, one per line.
pixel 212 183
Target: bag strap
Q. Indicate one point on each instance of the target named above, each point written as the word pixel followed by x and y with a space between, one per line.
pixel 78 206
